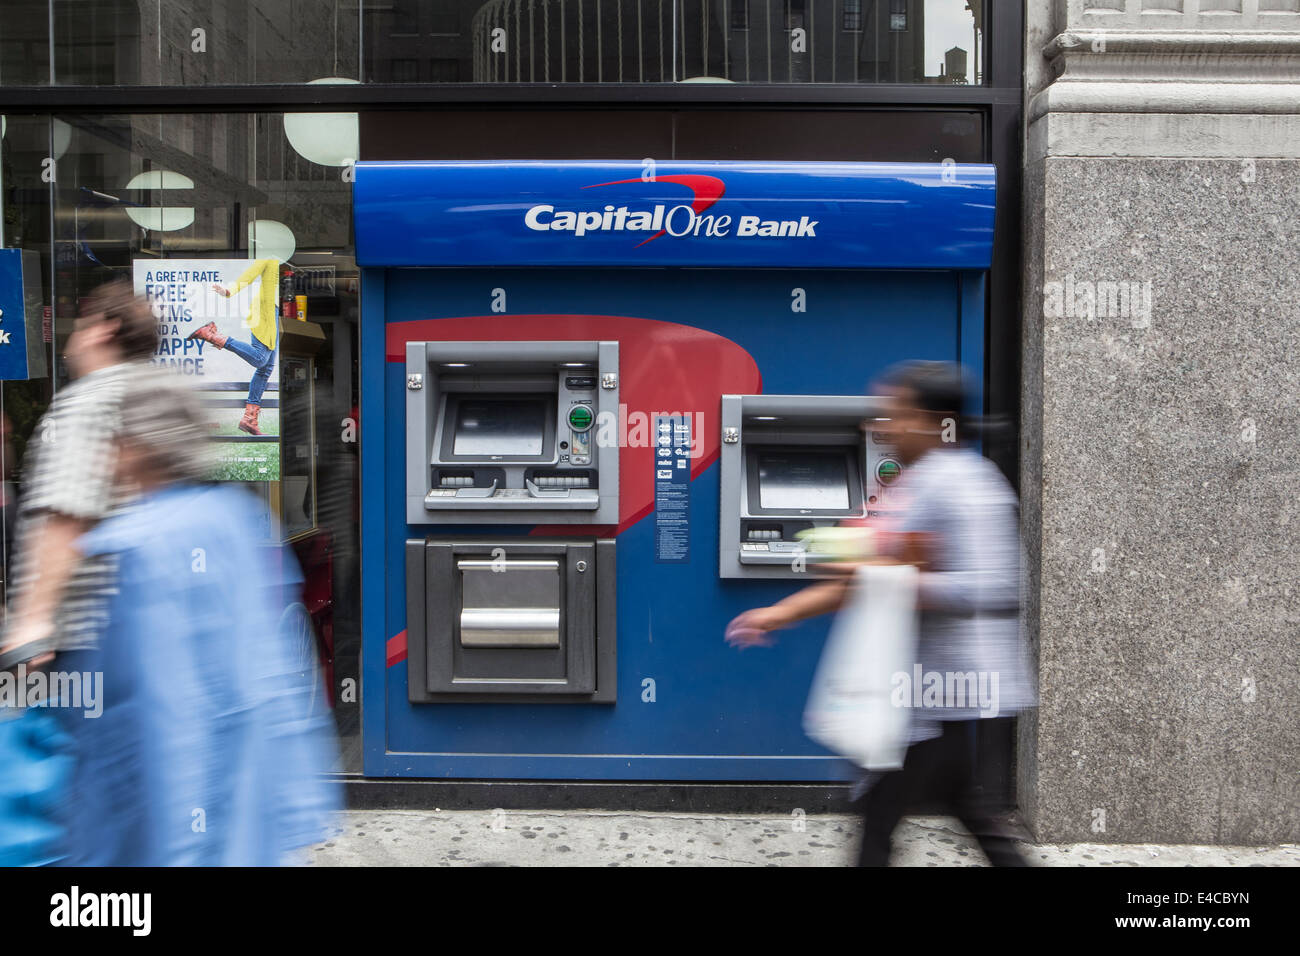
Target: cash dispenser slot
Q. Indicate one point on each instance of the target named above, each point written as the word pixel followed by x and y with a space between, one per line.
pixel 790 463
pixel 527 616
pixel 506 431
pixel 510 620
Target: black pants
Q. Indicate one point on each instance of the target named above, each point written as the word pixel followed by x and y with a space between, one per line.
pixel 943 771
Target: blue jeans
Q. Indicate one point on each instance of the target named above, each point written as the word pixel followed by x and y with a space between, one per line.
pixel 261 358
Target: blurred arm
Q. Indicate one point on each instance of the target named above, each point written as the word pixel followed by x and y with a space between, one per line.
pixel 70 488
pixel 54 556
pixel 821 598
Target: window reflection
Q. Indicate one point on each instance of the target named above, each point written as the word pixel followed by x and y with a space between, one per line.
pixel 209 191
pixel 646 41
pixel 124 42
pixel 204 42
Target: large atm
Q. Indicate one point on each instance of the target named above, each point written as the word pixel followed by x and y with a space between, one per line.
pixel 601 405
pixel 506 430
pixel 505 433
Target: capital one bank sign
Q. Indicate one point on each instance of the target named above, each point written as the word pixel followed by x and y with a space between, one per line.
pixel 680 221
pixel 722 214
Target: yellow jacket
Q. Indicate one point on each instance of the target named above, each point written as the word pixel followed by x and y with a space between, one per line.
pixel 261 317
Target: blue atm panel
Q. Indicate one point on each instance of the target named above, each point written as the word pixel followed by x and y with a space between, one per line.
pixel 685 706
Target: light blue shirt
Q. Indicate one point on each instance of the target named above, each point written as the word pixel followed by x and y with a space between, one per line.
pixel 205 753
pixel 968 629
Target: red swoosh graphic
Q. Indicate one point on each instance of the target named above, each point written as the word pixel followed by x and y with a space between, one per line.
pixel 706 189
pixel 395 649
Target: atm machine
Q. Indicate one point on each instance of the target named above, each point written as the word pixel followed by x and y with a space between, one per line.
pixel 506 430
pixel 505 433
pixel 599 403
pixel 790 463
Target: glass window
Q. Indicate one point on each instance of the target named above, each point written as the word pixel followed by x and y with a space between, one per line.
pixel 25 148
pixel 25 43
pixel 852 15
pixel 646 41
pixel 187 202
pixel 124 42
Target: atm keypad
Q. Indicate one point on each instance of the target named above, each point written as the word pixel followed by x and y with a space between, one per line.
pixel 562 481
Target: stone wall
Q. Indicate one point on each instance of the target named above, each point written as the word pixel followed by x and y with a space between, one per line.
pixel 1161 426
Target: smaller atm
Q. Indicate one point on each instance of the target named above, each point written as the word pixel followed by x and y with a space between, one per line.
pixel 506 432
pixel 793 462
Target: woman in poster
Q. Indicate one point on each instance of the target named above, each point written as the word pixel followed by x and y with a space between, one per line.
pixel 259 350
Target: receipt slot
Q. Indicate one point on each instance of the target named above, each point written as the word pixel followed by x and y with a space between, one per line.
pixel 508 432
pixel 510 620
pixel 793 462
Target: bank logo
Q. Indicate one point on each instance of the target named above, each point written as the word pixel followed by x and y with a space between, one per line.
pixel 685 220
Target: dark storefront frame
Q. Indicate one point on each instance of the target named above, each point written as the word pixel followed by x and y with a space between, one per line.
pixel 999 99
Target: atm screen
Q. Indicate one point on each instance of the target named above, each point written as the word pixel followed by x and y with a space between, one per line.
pixel 507 427
pixel 795 481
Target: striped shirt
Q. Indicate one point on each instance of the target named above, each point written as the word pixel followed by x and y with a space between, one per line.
pixel 70 471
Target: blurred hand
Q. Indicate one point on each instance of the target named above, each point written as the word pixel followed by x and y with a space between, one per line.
pixel 220 290
pixel 26 634
pixel 751 629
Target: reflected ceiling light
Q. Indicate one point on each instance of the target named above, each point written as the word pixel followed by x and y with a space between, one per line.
pixel 159 218
pixel 705 79
pixel 61 136
pixel 327 139
pixel 268 239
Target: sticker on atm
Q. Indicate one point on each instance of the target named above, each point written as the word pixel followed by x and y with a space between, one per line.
pixel 664 473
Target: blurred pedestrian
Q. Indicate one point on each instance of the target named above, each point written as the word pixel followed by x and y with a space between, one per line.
pixel 70 482
pixel 204 751
pixel 57 601
pixel 8 506
pixel 957 521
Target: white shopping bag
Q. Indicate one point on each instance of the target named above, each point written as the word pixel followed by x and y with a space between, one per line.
pixel 849 707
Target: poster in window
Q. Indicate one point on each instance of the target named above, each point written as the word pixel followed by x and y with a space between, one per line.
pixel 219 327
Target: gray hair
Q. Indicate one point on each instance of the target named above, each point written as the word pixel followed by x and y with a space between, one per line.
pixel 164 421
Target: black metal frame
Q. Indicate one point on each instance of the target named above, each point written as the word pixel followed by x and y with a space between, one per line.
pixel 368 96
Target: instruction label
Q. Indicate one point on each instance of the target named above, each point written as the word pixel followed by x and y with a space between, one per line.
pixel 672 465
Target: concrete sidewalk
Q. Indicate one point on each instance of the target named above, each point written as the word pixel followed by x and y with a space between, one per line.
pixel 605 838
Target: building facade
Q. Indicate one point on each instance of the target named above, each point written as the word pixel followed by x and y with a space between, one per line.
pixel 1157 147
